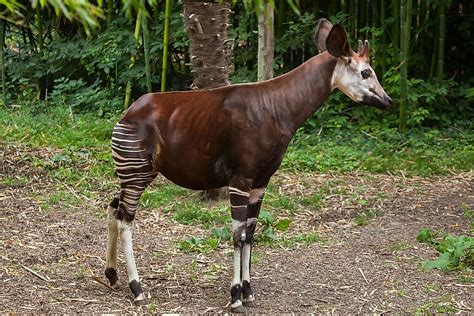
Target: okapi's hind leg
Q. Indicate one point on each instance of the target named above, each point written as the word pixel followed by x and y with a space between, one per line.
pixel 133 157
pixel 111 265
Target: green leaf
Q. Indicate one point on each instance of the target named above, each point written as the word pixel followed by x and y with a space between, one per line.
pixel 283 224
pixel 425 236
pixel 441 263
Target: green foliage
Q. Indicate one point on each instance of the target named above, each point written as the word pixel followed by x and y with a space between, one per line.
pixel 455 252
pixel 363 217
pixel 268 227
pixel 349 148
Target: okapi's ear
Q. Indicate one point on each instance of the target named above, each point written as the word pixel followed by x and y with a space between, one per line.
pixel 322 31
pixel 364 50
pixel 337 43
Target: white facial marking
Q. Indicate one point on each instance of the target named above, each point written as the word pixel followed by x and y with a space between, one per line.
pixel 348 77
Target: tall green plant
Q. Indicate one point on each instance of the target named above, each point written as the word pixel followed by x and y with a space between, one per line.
pixel 403 65
pixel 133 57
pixel 165 46
pixel 146 50
pixel 2 61
pixel 441 39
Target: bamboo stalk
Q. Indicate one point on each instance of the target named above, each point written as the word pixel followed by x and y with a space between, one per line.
pixel 110 8
pixel 133 57
pixel 164 67
pixel 2 61
pixel 146 51
pixel 441 39
pixel 402 121
pixel 384 40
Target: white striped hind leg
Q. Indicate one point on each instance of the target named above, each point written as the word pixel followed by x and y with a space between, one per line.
pixel 111 264
pixel 239 200
pixel 255 202
pixel 125 229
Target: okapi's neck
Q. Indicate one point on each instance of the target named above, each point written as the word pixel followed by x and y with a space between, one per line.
pixel 295 96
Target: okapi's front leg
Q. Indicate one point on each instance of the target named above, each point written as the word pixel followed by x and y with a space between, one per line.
pixel 239 200
pixel 255 202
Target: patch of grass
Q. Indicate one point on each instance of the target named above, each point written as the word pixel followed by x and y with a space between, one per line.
pixel 421 152
pixel 300 239
pixel 400 246
pixel 431 287
pixel 191 212
pixel 198 245
pixel 166 194
pixel 443 304
pixel 17 181
pixel 256 257
pixel 315 201
pixel 364 217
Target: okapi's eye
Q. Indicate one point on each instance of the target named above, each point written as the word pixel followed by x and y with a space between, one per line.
pixel 366 73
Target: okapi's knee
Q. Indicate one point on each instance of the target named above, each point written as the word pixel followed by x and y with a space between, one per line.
pixel 239 234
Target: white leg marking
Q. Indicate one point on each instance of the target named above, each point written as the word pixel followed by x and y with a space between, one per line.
pixel 233 190
pixel 256 195
pixel 126 235
pixel 112 240
pixel 237 263
pixel 246 262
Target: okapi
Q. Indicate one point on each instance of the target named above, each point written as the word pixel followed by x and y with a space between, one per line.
pixel 232 136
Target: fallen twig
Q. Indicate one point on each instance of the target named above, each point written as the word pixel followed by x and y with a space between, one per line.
pixel 98 280
pixel 34 273
pixel 360 270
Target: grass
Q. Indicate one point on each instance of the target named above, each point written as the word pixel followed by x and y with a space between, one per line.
pixel 421 152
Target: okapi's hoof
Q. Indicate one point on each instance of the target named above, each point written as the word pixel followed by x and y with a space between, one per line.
pixel 237 307
pixel 250 302
pixel 140 300
pixel 111 275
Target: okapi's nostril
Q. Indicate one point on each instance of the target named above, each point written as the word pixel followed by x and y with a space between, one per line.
pixel 389 99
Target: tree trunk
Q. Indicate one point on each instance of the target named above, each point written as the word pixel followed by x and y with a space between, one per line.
pixel 207 24
pixel 266 44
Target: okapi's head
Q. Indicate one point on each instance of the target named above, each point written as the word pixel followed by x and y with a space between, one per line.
pixel 353 74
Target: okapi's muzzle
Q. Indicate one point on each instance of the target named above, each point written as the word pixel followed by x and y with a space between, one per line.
pixel 383 101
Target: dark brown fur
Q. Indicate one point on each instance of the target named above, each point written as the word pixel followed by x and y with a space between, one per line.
pixel 213 138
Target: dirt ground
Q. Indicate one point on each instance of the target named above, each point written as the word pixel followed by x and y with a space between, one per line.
pixel 49 258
